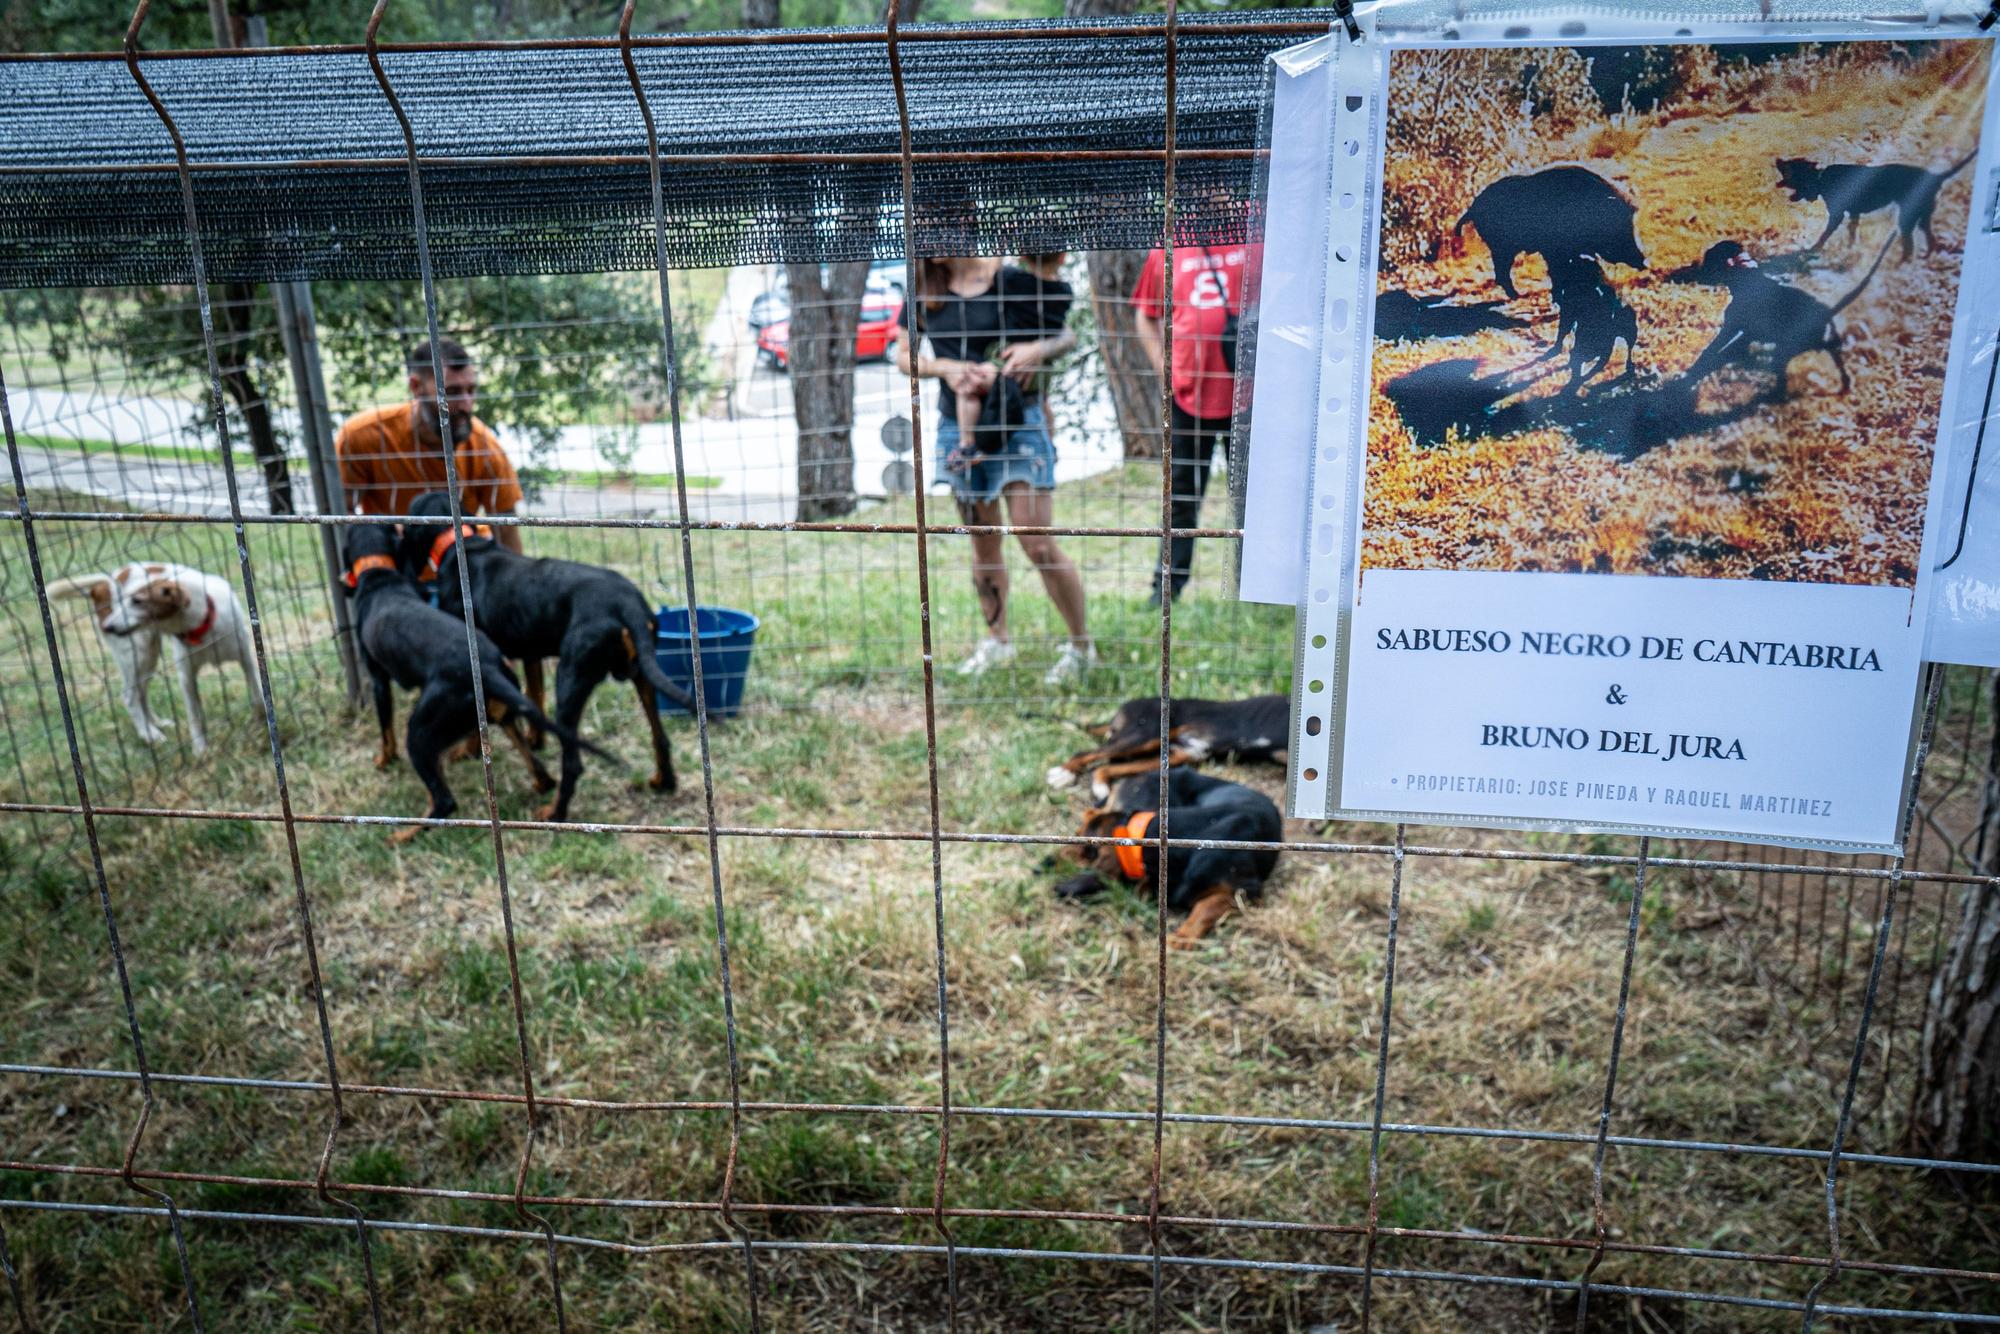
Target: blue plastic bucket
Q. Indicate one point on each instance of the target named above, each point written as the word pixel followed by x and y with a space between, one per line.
pixel 727 636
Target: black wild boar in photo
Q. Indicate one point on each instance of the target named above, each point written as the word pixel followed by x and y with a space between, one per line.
pixel 1559 210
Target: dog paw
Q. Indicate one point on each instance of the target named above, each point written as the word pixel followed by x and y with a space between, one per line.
pixel 547 814
pixel 1100 791
pixel 663 783
pixel 385 762
pixel 1177 941
pixel 1060 777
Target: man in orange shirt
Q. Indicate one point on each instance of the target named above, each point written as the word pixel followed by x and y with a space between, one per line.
pixel 391 455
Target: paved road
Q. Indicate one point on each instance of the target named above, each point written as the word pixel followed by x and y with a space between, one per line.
pixel 750 450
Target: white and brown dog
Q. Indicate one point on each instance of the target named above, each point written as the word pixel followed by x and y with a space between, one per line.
pixel 138 606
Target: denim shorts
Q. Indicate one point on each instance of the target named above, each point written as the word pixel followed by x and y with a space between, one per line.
pixel 1030 457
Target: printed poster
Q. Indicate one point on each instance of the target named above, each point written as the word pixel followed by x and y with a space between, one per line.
pixel 1660 343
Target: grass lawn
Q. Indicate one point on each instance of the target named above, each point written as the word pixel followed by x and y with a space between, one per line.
pixel 1507 973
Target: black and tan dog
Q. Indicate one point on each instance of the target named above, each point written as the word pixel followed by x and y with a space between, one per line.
pixel 1589 308
pixel 407 642
pixel 1197 729
pixel 1765 314
pixel 1851 192
pixel 1201 882
pixel 593 621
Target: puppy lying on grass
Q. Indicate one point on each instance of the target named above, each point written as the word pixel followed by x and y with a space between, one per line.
pixel 1201 882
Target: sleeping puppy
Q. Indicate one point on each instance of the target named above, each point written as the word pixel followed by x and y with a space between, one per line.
pixel 1201 882
pixel 138 605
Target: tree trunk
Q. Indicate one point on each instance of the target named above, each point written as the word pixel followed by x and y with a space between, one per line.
pixel 821 354
pixel 235 321
pixel 1957 1108
pixel 1958 1103
pixel 1135 386
pixel 824 317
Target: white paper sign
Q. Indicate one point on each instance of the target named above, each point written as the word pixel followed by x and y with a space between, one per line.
pixel 1636 351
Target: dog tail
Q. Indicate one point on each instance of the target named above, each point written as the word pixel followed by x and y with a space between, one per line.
pixel 76 586
pixel 1959 165
pixel 498 687
pixel 647 664
pixel 1866 278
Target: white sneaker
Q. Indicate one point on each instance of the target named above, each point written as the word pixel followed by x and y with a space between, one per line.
pixel 991 653
pixel 1071 664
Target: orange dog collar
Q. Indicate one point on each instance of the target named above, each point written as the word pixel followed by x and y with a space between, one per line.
pixel 365 564
pixel 1131 859
pixel 444 543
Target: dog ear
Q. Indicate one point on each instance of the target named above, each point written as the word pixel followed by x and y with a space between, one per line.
pixel 161 598
pixel 101 596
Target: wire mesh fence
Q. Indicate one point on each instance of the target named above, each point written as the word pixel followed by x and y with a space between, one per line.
pixel 805 1043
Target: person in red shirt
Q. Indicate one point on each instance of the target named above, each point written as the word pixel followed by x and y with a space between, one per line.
pixel 1208 289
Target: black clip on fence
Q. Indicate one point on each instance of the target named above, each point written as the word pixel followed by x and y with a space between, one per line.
pixel 1992 14
pixel 1344 11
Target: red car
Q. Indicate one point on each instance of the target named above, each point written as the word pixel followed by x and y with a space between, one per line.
pixel 873 337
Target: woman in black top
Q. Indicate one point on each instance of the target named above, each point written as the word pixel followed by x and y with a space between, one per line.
pixel 985 321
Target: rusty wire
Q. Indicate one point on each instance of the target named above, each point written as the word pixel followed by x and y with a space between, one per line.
pixel 739 37
pixel 1498 1133
pixel 892 1211
pixel 302 898
pixel 453 492
pixel 582 827
pixel 670 366
pixel 1373 1228
pixel 1599 1220
pixel 1934 687
pixel 1165 586
pixel 857 158
pixel 939 1213
pixel 1225 1263
pixel 627 521
pixel 891 30
pixel 147 1103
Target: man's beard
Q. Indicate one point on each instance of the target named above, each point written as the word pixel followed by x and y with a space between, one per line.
pixel 461 428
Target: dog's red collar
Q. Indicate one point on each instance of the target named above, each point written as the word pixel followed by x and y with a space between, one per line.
pixel 444 543
pixel 1132 859
pixel 194 637
pixel 364 564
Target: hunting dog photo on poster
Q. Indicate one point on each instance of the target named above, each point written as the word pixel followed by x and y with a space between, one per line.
pixel 1660 339
pixel 1694 300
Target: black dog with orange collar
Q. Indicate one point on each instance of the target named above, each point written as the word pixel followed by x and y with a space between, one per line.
pixel 1201 882
pixel 595 622
pixel 406 642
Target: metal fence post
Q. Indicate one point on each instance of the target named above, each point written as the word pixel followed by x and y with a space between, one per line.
pixel 300 332
pixel 301 335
